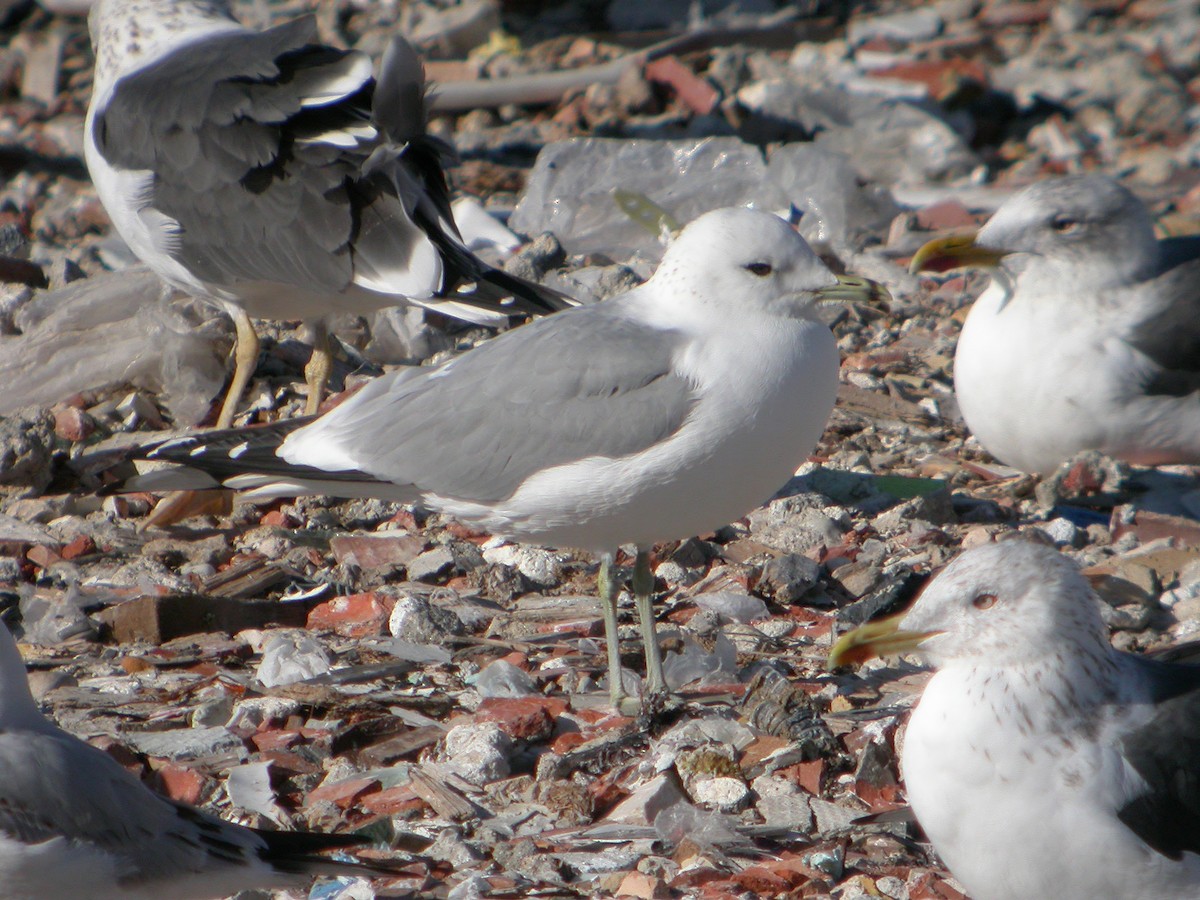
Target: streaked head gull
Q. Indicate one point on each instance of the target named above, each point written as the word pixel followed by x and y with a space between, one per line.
pixel 1088 337
pixel 74 823
pixel 672 409
pixel 274 175
pixel 1040 761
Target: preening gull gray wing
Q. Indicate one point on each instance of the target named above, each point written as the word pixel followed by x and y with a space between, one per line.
pixel 1169 333
pixel 671 410
pixel 74 823
pixel 1040 761
pixel 1088 337
pixel 1165 751
pixel 259 169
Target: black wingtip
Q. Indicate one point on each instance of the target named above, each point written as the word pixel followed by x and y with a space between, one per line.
pixel 399 105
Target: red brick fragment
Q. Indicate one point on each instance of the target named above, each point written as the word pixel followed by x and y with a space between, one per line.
pixel 43 556
pixel 945 215
pixel 694 92
pixel 763 747
pixel 565 743
pixel 941 76
pixel 377 551
pixel 277 518
pixel 699 876
pixel 524 718
pixel 73 424
pixel 398 800
pixel 761 881
pixel 808 775
pixel 356 615
pixel 81 546
pixel 928 886
pixel 343 794
pixel 180 783
pixel 1018 12
pixel 275 739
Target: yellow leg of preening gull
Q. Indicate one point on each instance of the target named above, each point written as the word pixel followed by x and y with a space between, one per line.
pixel 245 358
pixel 320 365
pixel 179 505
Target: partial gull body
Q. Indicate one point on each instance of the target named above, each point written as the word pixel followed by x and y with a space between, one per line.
pixel 1040 761
pixel 75 824
pixel 1088 337
pixel 670 410
pixel 274 175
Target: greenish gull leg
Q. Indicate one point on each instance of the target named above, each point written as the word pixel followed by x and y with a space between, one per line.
pixel 608 608
pixel 643 590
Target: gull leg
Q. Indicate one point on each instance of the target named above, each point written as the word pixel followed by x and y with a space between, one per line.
pixel 245 357
pixel 319 367
pixel 643 590
pixel 608 608
pixel 179 505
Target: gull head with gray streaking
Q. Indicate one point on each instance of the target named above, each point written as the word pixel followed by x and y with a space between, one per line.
pixel 277 177
pixel 657 415
pixel 1040 761
pixel 1088 337
pixel 74 823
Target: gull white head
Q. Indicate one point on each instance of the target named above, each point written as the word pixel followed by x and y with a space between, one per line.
pixel 1008 604
pixel 126 33
pixel 737 259
pixel 1084 231
pixel 1087 222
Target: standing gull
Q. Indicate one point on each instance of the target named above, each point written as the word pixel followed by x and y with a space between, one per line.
pixel 1040 761
pixel 75 824
pixel 274 175
pixel 670 410
pixel 1088 337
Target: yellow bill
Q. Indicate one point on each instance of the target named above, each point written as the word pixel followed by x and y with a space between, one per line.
pixel 882 637
pixel 955 252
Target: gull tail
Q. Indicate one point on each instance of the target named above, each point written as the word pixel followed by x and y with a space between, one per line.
pixel 295 852
pixel 246 459
pixel 400 110
pixel 284 852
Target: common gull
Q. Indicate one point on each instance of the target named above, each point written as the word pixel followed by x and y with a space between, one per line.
pixel 75 824
pixel 1087 338
pixel 276 176
pixel 672 409
pixel 1040 761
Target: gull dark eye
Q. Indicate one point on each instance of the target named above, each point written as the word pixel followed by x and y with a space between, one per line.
pixel 1065 224
pixel 984 601
pixel 761 269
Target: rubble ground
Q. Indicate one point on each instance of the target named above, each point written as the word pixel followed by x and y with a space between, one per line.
pixel 358 665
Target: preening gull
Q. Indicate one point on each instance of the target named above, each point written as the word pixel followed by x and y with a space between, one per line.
pixel 670 410
pixel 75 824
pixel 1088 337
pixel 274 175
pixel 1040 761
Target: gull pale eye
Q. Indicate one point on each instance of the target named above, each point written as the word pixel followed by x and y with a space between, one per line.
pixel 761 269
pixel 984 601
